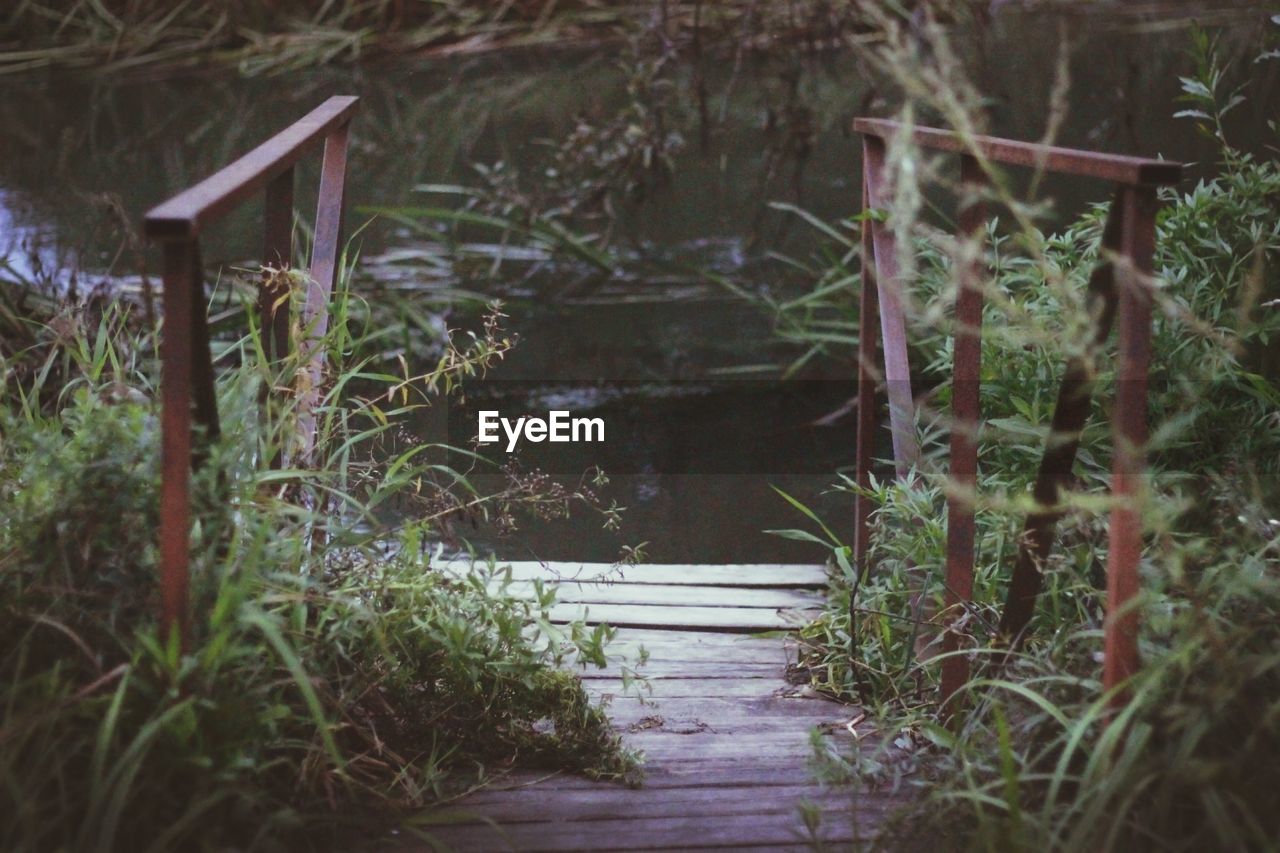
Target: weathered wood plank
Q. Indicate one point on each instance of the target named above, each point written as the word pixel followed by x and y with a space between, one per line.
pixel 649 833
pixel 682 688
pixel 784 576
pixel 672 595
pixel 625 711
pixel 686 669
pixel 751 651
pixel 687 772
pixel 656 729
pixel 658 638
pixel 727 742
pixel 602 803
pixel 763 746
pixel 681 618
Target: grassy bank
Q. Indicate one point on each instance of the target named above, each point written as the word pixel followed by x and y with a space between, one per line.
pixel 338 683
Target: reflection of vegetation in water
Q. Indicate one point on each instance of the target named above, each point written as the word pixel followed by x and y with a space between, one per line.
pixel 1037 761
pixel 337 680
pixel 736 129
pixel 261 36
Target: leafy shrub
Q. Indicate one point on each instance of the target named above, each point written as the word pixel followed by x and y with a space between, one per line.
pixel 337 679
pixel 1038 760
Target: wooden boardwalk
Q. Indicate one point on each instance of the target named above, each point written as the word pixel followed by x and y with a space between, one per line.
pixel 726 737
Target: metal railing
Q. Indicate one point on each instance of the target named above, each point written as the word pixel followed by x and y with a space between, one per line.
pixel 186 375
pixel 1122 290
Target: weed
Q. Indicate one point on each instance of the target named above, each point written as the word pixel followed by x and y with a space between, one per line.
pixel 1038 761
pixel 337 682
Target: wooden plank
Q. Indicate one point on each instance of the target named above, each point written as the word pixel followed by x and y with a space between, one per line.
pixel 690 646
pixel 671 595
pixel 689 772
pixel 648 833
pixel 687 669
pixel 779 575
pixel 684 688
pixel 625 711
pixel 726 741
pixel 603 803
pixel 742 729
pixel 750 748
pixel 682 618
pixel 659 656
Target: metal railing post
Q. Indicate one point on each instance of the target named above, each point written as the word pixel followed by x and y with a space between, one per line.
pixel 186 377
pixel 175 451
pixel 893 324
pixel 325 257
pixel 965 411
pixel 868 375
pixel 1129 422
pixel 1126 290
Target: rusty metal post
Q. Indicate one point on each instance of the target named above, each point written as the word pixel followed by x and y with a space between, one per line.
pixel 868 371
pixel 325 257
pixel 893 324
pixel 175 452
pixel 1070 413
pixel 203 392
pixel 1129 422
pixel 965 411
pixel 277 252
pixel 1130 231
pixel 868 412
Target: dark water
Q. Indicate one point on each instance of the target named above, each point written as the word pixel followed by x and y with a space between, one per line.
pixel 695 458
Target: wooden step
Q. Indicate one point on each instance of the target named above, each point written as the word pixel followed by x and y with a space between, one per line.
pixel 727 741
pixel 776 575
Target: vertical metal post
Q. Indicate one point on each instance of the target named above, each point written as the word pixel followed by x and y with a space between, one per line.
pixel 893 325
pixel 868 371
pixel 175 454
pixel 204 395
pixel 325 256
pixel 965 411
pixel 1129 430
pixel 277 252
pixel 187 380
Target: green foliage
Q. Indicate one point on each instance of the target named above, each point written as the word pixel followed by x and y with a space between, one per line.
pixel 576 184
pixel 338 679
pixel 1038 762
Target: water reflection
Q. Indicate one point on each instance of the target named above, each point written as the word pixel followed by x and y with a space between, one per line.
pixel 133 143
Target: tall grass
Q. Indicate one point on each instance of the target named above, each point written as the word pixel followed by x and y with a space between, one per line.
pixel 1037 761
pixel 338 682
pixel 258 37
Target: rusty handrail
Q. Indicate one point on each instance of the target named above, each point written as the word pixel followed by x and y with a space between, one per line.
pixel 187 381
pixel 1117 168
pixel 1116 290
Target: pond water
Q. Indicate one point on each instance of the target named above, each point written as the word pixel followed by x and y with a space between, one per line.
pixel 699 440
